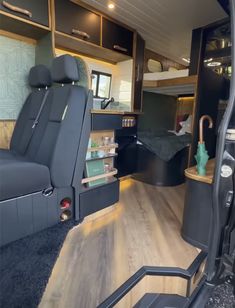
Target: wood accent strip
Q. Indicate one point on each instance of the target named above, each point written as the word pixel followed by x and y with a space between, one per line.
pixel 105 147
pixel 101 176
pixel 109 111
pixel 192 174
pixel 6 130
pixel 171 82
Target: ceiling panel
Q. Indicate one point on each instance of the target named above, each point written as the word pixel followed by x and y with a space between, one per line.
pixel 166 25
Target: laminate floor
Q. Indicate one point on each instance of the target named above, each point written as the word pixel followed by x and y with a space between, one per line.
pixel 103 252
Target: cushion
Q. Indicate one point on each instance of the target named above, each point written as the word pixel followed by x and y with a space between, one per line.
pixel 18 178
pixel 65 69
pixel 40 77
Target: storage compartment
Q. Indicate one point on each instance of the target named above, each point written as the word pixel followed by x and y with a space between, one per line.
pixel 155 171
pixel 106 122
pixel 116 37
pixel 97 198
pixel 77 21
pixel 32 10
pixel 197 214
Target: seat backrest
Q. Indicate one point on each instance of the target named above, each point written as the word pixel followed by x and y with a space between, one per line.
pixel 39 80
pixel 56 139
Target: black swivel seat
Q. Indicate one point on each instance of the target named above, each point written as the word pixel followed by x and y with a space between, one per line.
pixel 33 183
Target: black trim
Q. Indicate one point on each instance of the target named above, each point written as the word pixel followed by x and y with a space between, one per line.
pixel 114 298
pixel 216 225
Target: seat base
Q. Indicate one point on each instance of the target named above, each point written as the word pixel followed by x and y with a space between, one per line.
pixel 29 214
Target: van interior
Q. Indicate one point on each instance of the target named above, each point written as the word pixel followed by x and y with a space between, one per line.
pixel 117 153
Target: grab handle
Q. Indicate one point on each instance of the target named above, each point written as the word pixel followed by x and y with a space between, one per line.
pixel 81 33
pixel 16 9
pixel 120 48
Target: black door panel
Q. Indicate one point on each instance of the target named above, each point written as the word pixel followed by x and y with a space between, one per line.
pixel 75 20
pixel 116 37
pixel 34 10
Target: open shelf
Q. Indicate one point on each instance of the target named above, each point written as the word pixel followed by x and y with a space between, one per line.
pixel 103 157
pixel 103 147
pixel 100 176
pixel 109 180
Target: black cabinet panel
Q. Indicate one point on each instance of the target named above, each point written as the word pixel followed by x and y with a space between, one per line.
pixel 99 198
pixel 106 122
pixel 139 72
pixel 75 20
pixel 34 10
pixel 116 37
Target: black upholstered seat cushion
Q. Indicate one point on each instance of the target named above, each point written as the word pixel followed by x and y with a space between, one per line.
pixel 18 178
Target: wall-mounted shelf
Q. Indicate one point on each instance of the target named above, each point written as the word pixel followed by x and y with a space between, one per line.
pixel 103 147
pixel 103 157
pixel 101 176
pixel 109 180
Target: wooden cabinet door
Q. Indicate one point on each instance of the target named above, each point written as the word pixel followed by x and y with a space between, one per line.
pixel 34 10
pixel 116 37
pixel 77 21
pixel 139 72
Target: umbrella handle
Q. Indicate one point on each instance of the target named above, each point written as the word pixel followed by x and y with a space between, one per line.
pixel 201 122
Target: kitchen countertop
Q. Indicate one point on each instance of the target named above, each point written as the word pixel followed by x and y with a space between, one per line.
pixel 109 111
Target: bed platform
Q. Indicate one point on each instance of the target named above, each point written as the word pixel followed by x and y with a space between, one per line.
pixel 171 86
pixel 156 171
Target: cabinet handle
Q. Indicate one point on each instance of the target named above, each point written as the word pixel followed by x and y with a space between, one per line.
pixel 16 9
pixel 138 73
pixel 81 33
pixel 117 47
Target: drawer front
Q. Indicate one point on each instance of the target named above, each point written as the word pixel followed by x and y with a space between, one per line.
pixel 77 21
pixel 116 37
pixel 99 198
pixel 34 10
pixel 106 122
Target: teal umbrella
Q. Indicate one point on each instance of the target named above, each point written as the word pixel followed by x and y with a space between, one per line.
pixel 202 155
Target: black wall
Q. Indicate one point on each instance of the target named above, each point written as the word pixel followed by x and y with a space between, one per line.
pixel 159 112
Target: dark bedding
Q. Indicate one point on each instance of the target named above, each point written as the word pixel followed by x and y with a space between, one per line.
pixel 164 144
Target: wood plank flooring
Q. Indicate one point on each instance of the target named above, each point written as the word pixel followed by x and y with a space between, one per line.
pixel 102 253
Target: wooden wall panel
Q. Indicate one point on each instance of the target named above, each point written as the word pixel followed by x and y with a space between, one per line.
pixel 6 130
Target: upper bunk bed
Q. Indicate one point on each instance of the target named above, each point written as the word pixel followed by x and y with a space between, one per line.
pixel 176 82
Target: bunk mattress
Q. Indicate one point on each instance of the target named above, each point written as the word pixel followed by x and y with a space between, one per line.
pixel 166 75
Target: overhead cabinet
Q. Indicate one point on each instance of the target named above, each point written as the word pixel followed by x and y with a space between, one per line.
pixel 33 10
pixel 116 37
pixel 77 21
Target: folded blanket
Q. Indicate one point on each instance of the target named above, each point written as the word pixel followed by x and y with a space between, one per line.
pixel 164 144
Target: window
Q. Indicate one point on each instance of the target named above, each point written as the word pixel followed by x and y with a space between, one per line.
pixel 101 83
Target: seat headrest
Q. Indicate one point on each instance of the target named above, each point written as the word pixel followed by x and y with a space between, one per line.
pixel 40 76
pixel 64 69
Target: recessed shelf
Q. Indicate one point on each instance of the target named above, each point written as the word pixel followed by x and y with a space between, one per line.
pixel 100 176
pixel 103 147
pixel 103 157
pixel 109 180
